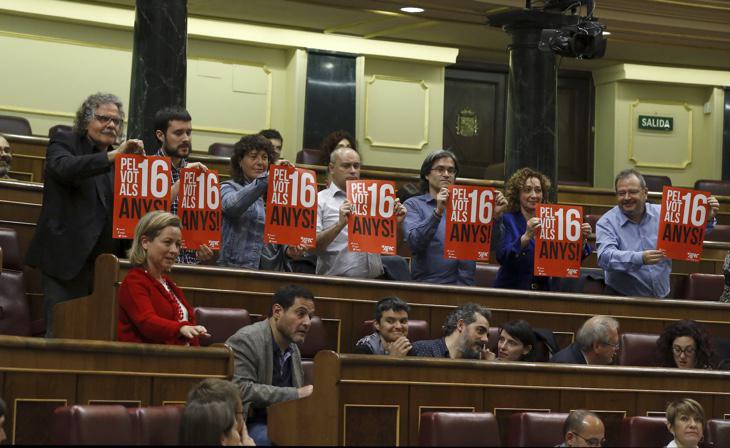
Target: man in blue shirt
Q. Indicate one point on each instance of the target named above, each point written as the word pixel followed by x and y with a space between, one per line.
pixel 466 333
pixel 425 225
pixel 626 237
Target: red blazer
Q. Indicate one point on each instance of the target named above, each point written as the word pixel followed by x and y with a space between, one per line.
pixel 147 312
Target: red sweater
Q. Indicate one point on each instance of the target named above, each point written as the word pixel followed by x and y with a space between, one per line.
pixel 147 312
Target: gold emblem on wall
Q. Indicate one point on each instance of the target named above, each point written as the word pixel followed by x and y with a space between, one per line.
pixel 467 123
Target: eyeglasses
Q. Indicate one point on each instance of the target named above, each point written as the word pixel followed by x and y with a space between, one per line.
pixel 614 346
pixel 622 193
pixel 688 351
pixel 442 169
pixel 104 119
pixel 591 441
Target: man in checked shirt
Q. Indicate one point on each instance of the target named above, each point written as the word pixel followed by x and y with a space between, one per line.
pixel 174 128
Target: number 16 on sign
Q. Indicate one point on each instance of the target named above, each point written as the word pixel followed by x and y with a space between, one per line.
pixel 684 215
pixel 558 241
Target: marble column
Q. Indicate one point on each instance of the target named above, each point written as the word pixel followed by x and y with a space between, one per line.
pixel 159 65
pixel 726 138
pixel 531 138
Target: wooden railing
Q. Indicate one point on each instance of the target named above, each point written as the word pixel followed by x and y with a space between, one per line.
pixel 378 400
pixel 38 375
pixel 345 303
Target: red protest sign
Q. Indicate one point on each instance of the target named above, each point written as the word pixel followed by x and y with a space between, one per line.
pixel 682 223
pixel 141 184
pixel 199 208
pixel 469 218
pixel 371 226
pixel 291 207
pixel 559 241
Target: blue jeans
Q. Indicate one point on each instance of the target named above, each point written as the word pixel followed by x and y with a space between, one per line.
pixel 258 431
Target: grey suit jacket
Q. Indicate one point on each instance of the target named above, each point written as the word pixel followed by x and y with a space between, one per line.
pixel 253 348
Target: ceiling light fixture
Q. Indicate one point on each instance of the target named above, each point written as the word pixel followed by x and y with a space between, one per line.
pixel 412 9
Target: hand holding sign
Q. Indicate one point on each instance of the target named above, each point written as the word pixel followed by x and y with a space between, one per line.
pixel 469 218
pixel 558 240
pixel 199 208
pixel 291 212
pixel 141 184
pixel 684 214
pixel 371 225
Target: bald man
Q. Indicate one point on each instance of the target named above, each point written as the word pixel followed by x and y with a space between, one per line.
pixel 6 157
pixel 583 428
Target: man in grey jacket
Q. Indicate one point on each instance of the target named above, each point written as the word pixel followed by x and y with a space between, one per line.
pixel 268 365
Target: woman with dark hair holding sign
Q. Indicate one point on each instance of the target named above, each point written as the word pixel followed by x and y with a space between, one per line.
pixel 152 308
pixel 515 249
pixel 242 203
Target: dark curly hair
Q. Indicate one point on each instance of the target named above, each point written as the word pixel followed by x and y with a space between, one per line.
pixel 330 142
pixel 691 329
pixel 247 144
pixel 513 187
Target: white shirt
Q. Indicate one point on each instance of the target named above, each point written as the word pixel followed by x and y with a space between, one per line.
pixel 336 259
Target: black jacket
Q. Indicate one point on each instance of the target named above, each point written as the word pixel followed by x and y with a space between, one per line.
pixel 75 221
pixel 569 355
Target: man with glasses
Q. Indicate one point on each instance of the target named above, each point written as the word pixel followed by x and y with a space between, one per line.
pixel 596 343
pixel 626 239
pixel 425 225
pixel 583 428
pixel 75 224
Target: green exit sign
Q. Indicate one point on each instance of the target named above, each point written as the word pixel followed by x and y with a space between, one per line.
pixel 654 123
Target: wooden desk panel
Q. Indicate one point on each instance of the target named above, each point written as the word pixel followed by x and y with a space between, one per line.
pixel 37 375
pixel 387 395
pixel 350 302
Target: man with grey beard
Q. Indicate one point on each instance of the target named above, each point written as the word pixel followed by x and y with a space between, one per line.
pixel 75 224
pixel 466 333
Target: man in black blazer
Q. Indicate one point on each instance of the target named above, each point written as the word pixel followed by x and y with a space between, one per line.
pixel 595 343
pixel 75 224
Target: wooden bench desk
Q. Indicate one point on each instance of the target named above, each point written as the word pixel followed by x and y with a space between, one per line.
pixel 38 375
pixel 378 400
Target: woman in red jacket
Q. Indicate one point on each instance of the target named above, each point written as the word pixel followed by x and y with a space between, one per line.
pixel 151 307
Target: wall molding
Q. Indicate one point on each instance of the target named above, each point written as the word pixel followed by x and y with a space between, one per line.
pixel 680 165
pixel 426 111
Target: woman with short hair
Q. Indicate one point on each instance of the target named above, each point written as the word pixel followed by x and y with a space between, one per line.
pixel 152 308
pixel 686 422
pixel 517 342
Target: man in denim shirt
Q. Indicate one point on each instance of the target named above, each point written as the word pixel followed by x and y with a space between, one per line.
pixel 626 237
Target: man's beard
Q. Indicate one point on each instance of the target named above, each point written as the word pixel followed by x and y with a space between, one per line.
pixel 4 168
pixel 469 349
pixel 177 152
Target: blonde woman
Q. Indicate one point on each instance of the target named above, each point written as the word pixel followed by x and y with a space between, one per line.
pixel 152 308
